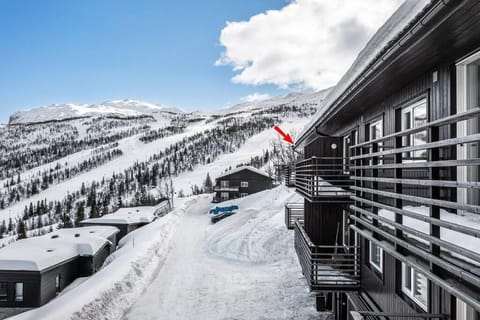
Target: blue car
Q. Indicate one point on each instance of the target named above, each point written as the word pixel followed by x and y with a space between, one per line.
pixel 218 210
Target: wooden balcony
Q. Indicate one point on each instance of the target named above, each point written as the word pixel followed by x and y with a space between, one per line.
pixel 323 180
pixel 226 189
pixel 293 212
pixel 327 268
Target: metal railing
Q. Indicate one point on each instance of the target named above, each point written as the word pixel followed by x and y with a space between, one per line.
pixel 322 178
pixel 290 176
pixel 327 268
pixel 294 212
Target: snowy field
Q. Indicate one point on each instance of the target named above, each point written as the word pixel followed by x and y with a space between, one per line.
pixel 183 267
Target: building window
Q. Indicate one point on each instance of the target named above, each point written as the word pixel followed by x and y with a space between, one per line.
pixel 348 141
pixel 57 284
pixel 465 312
pixel 243 194
pixel 415 116
pixel 3 291
pixel 19 291
pixel 224 195
pixel 244 184
pixel 224 184
pixel 375 131
pixel 468 97
pixel 376 256
pixel 415 286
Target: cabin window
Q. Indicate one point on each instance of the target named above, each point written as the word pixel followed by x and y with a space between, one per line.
pixel 3 291
pixel 465 312
pixel 468 97
pixel 244 184
pixel 375 131
pixel 375 254
pixel 243 194
pixel 348 141
pixel 224 184
pixel 19 291
pixel 57 284
pixel 414 116
pixel 224 195
pixel 415 286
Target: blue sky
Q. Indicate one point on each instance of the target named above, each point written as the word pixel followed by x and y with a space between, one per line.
pixel 90 51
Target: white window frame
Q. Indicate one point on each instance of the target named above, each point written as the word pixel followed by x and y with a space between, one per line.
pixel 410 292
pixel 373 264
pixel 18 297
pixel 464 311
pixel 464 89
pixel 244 184
pixel 411 109
pixel 373 124
pixel 222 195
pixel 224 184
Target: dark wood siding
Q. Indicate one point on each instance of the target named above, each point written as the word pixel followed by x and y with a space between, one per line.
pixel 256 183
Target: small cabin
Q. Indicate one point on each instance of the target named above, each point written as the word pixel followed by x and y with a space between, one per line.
pixel 35 270
pixel 129 219
pixel 240 182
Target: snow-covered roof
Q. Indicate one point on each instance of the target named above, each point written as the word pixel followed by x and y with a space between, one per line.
pixel 39 253
pixel 405 15
pixel 126 216
pixel 255 170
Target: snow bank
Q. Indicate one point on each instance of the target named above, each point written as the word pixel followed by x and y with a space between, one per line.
pixel 126 273
pixel 256 233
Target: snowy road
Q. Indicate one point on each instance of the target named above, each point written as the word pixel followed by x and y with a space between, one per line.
pixel 193 284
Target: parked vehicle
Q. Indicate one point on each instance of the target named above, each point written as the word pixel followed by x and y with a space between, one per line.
pixel 218 210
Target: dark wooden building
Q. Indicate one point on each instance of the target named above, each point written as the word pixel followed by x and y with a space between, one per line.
pixel 129 219
pixel 35 270
pixel 391 175
pixel 240 182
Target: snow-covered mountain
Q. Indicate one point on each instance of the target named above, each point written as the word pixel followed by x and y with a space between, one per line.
pixel 118 108
pixel 295 98
pixel 136 108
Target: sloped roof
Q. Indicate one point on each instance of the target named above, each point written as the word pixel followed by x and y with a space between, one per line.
pixel 396 25
pixel 250 168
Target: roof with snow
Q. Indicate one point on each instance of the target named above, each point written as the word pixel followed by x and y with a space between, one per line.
pixel 241 168
pixel 43 252
pixel 399 23
pixel 126 216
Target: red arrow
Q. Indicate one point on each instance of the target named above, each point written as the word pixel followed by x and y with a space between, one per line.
pixel 284 135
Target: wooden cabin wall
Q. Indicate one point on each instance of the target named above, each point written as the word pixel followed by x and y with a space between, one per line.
pixel 31 288
pixel 68 272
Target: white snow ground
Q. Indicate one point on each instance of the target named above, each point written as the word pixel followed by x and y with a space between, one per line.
pixel 183 267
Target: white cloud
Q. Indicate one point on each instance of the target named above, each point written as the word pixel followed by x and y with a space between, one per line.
pixel 255 97
pixel 308 43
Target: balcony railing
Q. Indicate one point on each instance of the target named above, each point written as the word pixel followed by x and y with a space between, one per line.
pixel 293 212
pixel 327 268
pixel 226 189
pixel 323 179
pixel 290 176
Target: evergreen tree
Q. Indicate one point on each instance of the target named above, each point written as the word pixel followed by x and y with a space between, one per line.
pixel 21 232
pixel 80 214
pixel 208 184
